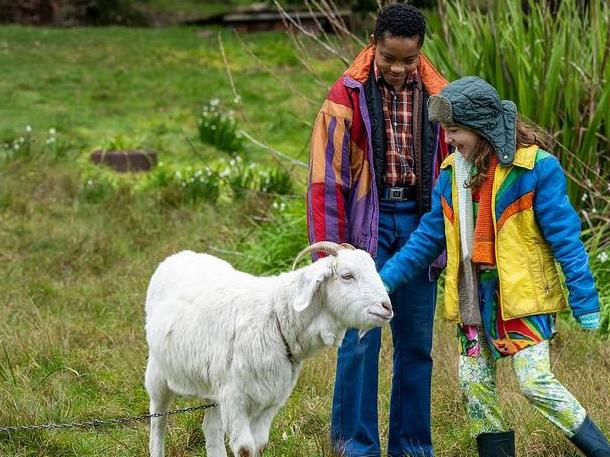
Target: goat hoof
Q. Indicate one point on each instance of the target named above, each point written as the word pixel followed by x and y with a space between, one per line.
pixel 243 452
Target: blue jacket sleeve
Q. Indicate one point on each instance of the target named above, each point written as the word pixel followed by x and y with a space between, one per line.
pixel 425 243
pixel 560 226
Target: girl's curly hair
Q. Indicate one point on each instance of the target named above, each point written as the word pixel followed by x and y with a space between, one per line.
pixel 528 134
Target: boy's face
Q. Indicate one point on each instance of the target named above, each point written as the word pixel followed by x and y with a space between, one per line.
pixel 396 57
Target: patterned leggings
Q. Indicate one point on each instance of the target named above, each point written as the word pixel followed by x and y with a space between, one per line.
pixel 537 382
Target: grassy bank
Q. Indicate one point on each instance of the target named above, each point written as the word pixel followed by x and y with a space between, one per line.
pixel 75 263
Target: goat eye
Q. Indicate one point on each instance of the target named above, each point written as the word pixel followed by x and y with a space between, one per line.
pixel 347 276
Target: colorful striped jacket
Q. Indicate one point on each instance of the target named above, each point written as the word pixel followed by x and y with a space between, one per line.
pixel 348 151
pixel 534 224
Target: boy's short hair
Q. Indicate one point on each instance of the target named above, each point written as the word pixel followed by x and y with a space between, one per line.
pixel 402 20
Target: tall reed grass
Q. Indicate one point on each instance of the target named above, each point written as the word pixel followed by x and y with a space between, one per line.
pixel 553 63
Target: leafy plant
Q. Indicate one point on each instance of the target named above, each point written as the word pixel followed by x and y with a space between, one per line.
pixel 198 184
pixel 29 144
pixel 122 142
pixel 185 185
pixel 239 176
pixel 276 181
pixel 272 247
pixel 218 129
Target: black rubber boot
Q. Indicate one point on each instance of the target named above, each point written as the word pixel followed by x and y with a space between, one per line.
pixel 590 440
pixel 500 444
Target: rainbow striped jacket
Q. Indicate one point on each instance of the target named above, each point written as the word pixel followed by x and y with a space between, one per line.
pixel 535 228
pixel 346 156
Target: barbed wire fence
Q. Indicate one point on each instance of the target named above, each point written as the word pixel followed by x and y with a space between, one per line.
pixel 100 423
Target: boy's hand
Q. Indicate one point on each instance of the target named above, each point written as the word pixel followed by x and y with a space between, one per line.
pixel 589 321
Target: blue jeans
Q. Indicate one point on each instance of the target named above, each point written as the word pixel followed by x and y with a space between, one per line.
pixel 354 429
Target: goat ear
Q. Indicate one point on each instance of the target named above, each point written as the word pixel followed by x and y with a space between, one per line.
pixel 309 282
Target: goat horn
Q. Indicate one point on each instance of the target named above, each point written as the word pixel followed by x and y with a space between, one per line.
pixel 348 246
pixel 327 247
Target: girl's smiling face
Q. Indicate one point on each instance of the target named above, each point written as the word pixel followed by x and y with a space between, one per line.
pixel 463 139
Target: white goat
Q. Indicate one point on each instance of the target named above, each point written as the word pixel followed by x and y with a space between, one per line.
pixel 239 340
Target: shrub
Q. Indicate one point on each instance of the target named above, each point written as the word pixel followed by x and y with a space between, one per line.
pixel 276 181
pixel 239 176
pixel 184 185
pixel 218 129
pixel 272 247
pixel 16 148
pixel 199 184
pixel 28 145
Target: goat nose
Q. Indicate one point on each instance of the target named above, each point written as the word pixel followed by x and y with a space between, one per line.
pixel 387 306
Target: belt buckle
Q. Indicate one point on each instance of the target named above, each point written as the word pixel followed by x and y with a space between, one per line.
pixel 396 193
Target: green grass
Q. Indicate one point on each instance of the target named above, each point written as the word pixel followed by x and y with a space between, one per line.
pixel 75 267
pixel 148 84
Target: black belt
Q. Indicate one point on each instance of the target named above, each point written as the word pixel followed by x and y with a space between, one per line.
pixel 399 193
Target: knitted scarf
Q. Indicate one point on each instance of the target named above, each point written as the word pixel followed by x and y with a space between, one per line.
pixel 468 281
pixel 484 236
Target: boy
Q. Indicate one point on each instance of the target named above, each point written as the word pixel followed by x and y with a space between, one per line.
pixel 374 159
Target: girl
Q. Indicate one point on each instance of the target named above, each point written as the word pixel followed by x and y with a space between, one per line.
pixel 501 210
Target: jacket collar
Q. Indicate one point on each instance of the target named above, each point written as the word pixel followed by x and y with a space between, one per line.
pixel 524 158
pixel 362 66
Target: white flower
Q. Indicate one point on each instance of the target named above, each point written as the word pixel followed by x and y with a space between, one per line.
pixel 584 197
pixel 21 140
pixel 51 131
pixel 50 140
pixel 237 99
pixel 214 102
pixel 28 128
pixel 602 256
pixel 16 146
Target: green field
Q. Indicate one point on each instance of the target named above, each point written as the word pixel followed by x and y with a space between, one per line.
pixel 78 243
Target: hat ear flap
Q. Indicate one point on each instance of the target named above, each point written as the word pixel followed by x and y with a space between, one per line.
pixel 440 110
pixel 506 153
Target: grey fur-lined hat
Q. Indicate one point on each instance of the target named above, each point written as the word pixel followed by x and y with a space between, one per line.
pixel 473 103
